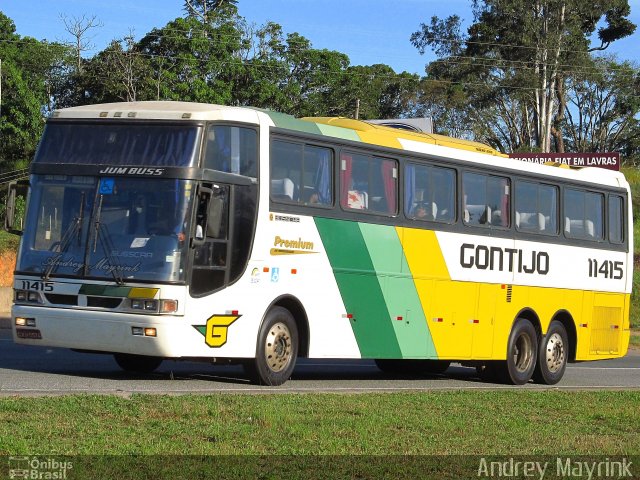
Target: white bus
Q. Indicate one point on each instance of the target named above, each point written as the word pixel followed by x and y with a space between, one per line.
pixel 168 230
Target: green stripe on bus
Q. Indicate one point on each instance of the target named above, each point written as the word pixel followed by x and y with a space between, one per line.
pixel 359 288
pixel 287 121
pixel 104 290
pixel 339 132
pixel 399 290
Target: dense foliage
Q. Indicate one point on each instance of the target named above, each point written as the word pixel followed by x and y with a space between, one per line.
pixel 538 87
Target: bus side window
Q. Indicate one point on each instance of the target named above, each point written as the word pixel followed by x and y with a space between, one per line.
pixel 486 200
pixel 616 219
pixel 232 150
pixel 369 183
pixel 429 193
pixel 583 214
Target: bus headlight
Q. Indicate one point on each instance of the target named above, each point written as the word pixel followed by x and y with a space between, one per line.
pixel 151 305
pixel 137 304
pixel 154 306
pixel 27 296
pixel 25 322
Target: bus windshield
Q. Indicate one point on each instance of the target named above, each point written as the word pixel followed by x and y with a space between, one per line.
pixel 119 144
pixel 120 228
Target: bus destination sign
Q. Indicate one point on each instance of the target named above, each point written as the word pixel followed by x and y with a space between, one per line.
pixel 609 161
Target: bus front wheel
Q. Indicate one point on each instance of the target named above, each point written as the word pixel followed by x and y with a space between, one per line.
pixel 522 353
pixel 552 355
pixel 137 363
pixel 277 348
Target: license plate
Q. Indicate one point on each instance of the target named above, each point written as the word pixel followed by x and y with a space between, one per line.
pixel 29 333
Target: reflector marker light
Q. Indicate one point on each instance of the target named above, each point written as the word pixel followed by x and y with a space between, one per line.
pixel 265 269
pixel 438 320
pixel 347 315
pixel 294 271
pixel 474 321
pixel 398 318
pixel 615 327
pixel 583 325
pixel 168 306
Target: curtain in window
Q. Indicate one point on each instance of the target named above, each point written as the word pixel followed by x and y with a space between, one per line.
pixel 389 185
pixel 345 179
pixel 323 178
pixel 409 188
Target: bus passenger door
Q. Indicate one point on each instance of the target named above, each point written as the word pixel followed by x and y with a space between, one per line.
pixel 210 242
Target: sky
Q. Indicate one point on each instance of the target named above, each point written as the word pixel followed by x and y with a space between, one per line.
pixel 368 31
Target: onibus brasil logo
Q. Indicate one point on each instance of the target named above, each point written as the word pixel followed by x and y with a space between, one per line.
pixel 39 468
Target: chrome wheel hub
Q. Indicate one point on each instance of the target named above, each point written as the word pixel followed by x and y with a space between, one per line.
pixel 278 347
pixel 554 353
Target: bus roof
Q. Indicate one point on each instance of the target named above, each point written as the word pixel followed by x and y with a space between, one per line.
pixel 158 110
pixel 384 134
pixel 339 127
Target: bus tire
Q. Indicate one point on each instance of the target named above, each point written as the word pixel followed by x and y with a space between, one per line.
pixel 522 353
pixel 552 355
pixel 137 363
pixel 277 348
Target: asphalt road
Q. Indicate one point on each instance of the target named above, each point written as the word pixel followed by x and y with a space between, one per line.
pixel 27 371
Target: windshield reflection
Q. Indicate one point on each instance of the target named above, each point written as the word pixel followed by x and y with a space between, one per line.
pixel 120 227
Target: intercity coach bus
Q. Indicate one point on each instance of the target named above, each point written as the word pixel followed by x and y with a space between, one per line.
pixel 169 230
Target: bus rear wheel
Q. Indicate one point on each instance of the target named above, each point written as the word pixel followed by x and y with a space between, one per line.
pixel 522 353
pixel 277 349
pixel 552 355
pixel 137 363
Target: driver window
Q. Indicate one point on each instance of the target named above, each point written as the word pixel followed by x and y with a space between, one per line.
pixel 211 233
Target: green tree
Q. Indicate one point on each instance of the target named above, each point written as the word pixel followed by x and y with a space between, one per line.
pixel 515 59
pixel 196 62
pixel 27 66
pixel 118 73
pixel 602 108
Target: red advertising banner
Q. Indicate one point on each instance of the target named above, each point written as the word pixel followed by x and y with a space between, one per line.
pixel 610 161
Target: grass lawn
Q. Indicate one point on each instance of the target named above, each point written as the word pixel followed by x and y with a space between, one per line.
pixel 462 423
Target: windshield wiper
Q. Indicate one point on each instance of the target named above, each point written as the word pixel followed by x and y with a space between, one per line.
pixel 102 233
pixel 65 241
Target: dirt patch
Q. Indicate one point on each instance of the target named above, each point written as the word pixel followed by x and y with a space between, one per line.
pixel 7 267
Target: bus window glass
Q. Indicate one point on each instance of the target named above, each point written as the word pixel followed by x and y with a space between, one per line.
pixel 286 170
pixel 430 193
pixel 232 150
pixel 316 175
pixel 486 200
pixel 369 183
pixel 616 219
pixel 119 145
pixel 583 214
pixel 301 173
pixel 536 207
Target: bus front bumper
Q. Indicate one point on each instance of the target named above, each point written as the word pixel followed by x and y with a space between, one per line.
pixel 161 336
